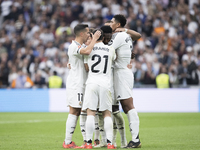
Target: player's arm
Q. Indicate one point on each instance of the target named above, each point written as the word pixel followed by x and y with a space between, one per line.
pixel 86 67
pixel 87 50
pixel 134 35
pixel 86 63
pixel 132 55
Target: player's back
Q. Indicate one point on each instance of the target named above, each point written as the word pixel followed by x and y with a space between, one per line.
pixel 122 43
pixel 77 74
pixel 99 63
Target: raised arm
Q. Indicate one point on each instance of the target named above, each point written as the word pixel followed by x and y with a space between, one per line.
pixel 87 50
pixel 134 35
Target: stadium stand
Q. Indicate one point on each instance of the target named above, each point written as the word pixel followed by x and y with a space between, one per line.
pixel 35 35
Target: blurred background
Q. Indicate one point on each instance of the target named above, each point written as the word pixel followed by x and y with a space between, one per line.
pixel 35 35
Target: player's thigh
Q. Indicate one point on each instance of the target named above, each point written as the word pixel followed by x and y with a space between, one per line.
pixel 75 97
pixel 74 111
pixel 91 97
pixel 105 99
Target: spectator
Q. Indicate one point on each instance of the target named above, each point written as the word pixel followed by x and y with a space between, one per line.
pixel 22 81
pixel 138 75
pixel 149 77
pixel 39 81
pixel 163 79
pixel 55 81
pixel 12 75
pixel 184 75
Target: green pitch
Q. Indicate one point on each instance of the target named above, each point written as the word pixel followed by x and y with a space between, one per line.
pixel 46 131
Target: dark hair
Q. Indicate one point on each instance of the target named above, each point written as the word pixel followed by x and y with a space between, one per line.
pixel 101 37
pixel 79 27
pixel 106 29
pixel 121 19
pixel 91 31
pixel 54 73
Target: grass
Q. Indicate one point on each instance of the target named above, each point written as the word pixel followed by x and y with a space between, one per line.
pixel 46 131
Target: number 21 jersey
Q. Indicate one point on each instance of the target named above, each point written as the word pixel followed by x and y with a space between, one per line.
pixel 99 63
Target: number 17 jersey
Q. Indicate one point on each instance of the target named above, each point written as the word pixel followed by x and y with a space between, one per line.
pixel 99 62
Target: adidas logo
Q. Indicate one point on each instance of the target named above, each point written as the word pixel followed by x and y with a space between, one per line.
pixel 83 130
pixel 97 128
pixel 118 96
pixel 71 132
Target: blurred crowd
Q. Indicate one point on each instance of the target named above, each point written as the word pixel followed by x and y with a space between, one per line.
pixel 35 35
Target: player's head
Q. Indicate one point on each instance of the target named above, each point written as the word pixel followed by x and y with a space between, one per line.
pixel 90 37
pixel 107 33
pixel 82 30
pixel 118 21
pixel 101 37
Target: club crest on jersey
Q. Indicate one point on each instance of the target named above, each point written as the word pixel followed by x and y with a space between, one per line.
pixel 80 103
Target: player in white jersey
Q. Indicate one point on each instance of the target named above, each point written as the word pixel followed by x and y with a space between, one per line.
pixel 83 115
pixel 123 77
pixel 76 78
pixel 118 120
pixel 98 90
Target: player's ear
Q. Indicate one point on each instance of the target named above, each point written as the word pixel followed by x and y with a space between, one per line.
pixel 118 25
pixel 81 34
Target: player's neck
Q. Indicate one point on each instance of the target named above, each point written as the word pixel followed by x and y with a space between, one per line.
pixel 79 40
pixel 98 41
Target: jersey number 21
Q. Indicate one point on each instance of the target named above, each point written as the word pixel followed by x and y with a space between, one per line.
pixel 99 61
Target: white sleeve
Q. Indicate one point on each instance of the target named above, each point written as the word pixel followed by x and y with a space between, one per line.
pixel 79 49
pixel 112 53
pixel 85 59
pixel 76 49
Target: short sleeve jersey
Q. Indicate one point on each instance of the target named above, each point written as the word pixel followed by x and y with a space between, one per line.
pixel 123 45
pixel 99 63
pixel 77 74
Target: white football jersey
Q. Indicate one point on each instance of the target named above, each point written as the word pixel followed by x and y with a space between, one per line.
pixel 77 74
pixel 123 45
pixel 99 63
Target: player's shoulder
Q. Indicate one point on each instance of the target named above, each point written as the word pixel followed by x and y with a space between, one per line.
pixel 119 35
pixel 74 45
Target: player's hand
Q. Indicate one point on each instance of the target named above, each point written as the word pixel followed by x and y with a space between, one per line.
pixel 120 30
pixel 96 35
pixel 129 66
pixel 132 55
pixel 69 66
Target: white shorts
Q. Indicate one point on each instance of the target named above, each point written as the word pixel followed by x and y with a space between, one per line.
pixel 96 95
pixel 123 83
pixel 75 97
